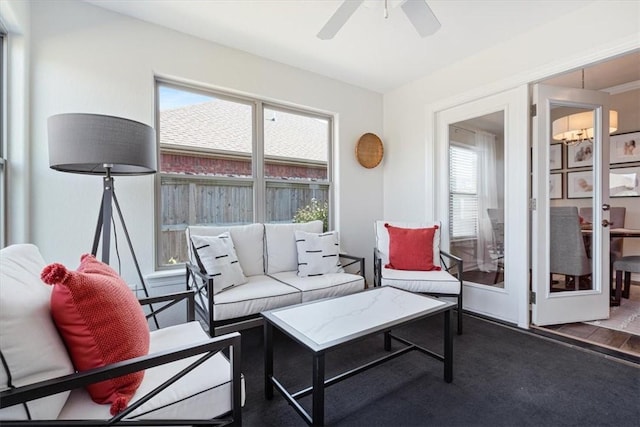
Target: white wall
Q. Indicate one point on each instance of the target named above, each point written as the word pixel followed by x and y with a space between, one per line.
pixel 613 27
pixel 86 59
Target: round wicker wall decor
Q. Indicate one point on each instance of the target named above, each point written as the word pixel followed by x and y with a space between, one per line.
pixel 369 150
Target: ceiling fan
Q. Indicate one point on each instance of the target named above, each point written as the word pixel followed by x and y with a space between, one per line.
pixel 418 12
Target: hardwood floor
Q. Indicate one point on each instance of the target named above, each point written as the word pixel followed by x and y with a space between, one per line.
pixel 603 337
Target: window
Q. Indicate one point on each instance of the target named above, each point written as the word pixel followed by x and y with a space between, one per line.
pixel 233 160
pixel 3 134
pixel 463 192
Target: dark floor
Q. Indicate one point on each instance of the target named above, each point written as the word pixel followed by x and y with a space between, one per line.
pixel 485 278
pixel 502 377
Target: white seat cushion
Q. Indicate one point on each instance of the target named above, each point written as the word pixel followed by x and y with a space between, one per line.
pixel 203 393
pixel 31 348
pixel 281 252
pixel 327 285
pixel 421 281
pixel 260 293
pixel 248 241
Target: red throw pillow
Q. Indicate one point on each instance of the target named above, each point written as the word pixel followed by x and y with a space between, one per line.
pixel 411 248
pixel 101 322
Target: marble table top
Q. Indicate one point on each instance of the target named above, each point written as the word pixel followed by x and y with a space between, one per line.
pixel 329 322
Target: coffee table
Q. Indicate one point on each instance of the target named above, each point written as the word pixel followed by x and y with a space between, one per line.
pixel 323 325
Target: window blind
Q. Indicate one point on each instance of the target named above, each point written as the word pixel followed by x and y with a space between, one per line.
pixel 463 192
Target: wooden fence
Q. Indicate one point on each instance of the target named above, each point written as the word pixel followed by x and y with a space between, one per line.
pixel 195 201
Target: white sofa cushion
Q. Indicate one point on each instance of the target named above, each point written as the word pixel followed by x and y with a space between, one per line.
pixel 248 241
pixel 203 393
pixel 31 347
pixel 382 237
pixel 281 252
pixel 421 281
pixel 260 293
pixel 327 285
pixel 318 253
pixel 217 257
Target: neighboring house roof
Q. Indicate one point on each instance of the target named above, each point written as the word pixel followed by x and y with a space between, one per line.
pixel 226 125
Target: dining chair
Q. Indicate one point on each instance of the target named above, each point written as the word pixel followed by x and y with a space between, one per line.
pixel 496 216
pixel 617 216
pixel 568 254
pixel 624 265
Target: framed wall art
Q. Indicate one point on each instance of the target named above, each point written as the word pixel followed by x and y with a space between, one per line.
pixel 624 182
pixel 555 157
pixel 580 155
pixel 624 148
pixel 579 184
pixel 555 186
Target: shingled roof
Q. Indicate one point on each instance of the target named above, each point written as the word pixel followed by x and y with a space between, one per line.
pixel 225 125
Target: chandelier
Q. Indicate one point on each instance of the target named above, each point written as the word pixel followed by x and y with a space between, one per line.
pixel 578 127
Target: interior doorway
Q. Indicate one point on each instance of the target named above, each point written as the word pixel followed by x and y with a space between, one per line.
pixel 620 77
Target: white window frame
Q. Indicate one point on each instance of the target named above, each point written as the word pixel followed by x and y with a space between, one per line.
pixel 3 136
pixel 258 179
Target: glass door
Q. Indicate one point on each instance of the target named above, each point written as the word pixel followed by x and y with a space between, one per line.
pixel 482 200
pixel 570 216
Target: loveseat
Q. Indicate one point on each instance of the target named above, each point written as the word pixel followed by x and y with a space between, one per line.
pixel 267 270
pixel 182 379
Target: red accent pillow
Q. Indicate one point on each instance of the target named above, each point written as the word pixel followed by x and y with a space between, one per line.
pixel 411 248
pixel 101 322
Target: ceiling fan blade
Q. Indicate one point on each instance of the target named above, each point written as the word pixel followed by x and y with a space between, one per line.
pixel 338 19
pixel 421 16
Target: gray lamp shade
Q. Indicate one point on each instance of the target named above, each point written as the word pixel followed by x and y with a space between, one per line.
pixel 87 143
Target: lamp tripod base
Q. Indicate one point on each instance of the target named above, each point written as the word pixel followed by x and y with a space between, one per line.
pixel 103 229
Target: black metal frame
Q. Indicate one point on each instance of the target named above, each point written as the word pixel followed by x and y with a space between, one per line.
pixel 207 349
pixel 201 284
pixel 319 383
pixel 103 227
pixel 454 263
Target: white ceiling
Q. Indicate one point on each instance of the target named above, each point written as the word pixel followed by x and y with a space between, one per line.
pixel 369 51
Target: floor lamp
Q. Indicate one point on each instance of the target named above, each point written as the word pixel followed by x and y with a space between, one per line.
pixel 108 146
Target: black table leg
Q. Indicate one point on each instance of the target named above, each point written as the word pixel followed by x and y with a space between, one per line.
pixel 448 347
pixel 387 341
pixel 318 389
pixel 268 360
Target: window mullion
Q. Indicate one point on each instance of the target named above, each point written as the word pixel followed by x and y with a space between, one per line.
pixel 258 162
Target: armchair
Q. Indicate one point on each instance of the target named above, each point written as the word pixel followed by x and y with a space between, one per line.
pixel 444 281
pixel 188 380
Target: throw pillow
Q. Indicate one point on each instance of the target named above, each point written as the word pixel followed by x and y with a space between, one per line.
pixel 101 322
pixel 411 248
pixel 318 253
pixel 216 256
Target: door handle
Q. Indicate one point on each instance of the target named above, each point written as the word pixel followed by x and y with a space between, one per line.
pixel 605 223
pixel 606 207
